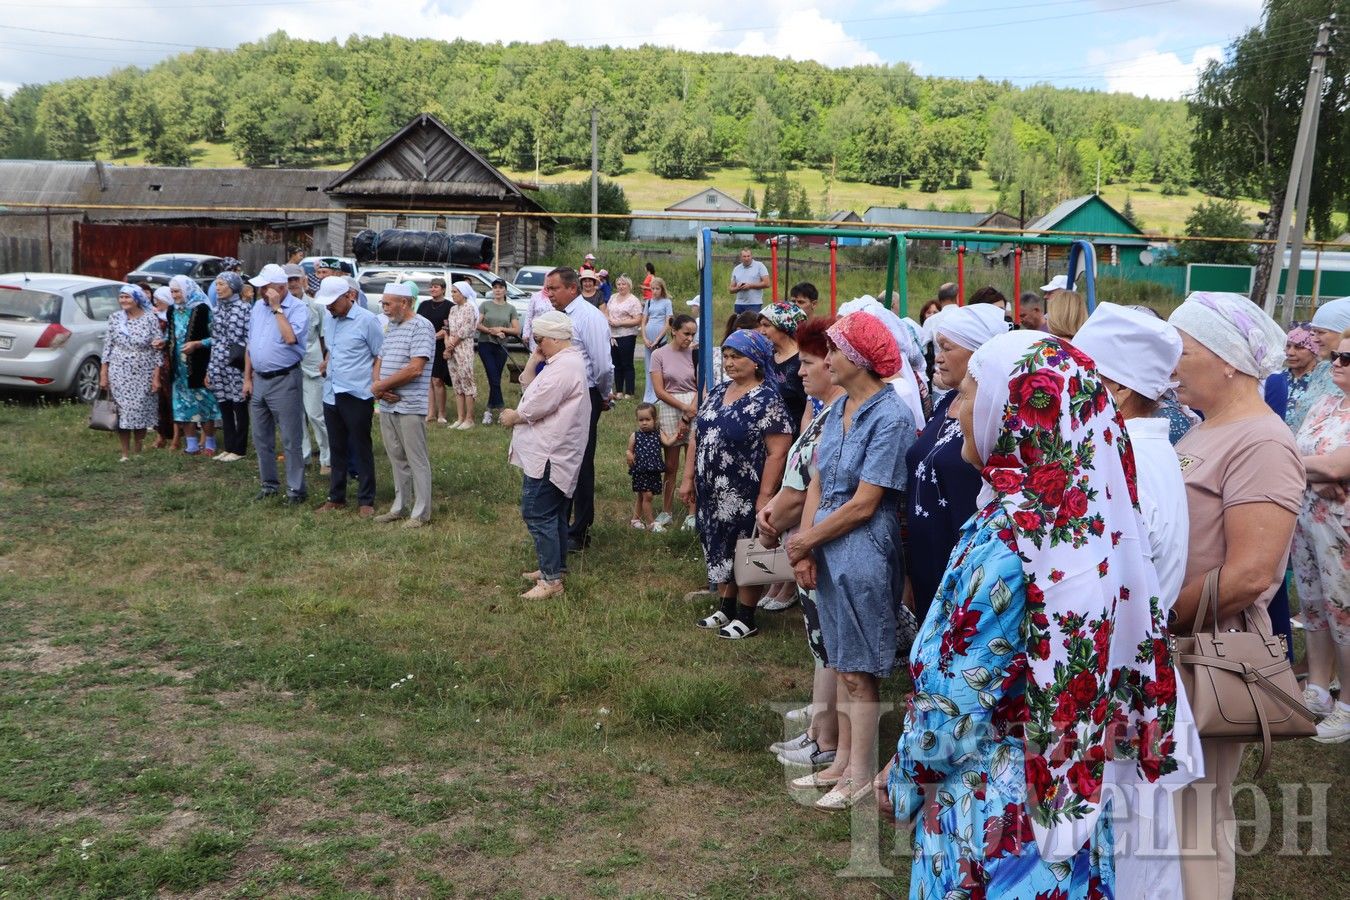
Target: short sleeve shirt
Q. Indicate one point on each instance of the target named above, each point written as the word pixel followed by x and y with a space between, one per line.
pixel 1248 461
pixel 676 368
pixel 495 315
pixel 414 337
pixel 750 274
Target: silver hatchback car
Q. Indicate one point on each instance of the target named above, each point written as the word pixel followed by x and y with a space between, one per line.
pixel 51 332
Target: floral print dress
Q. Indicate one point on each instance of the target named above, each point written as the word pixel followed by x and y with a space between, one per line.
pixel 1321 555
pixel 729 461
pixel 132 362
pixel 801 469
pixel 229 326
pixel 462 323
pixel 973 833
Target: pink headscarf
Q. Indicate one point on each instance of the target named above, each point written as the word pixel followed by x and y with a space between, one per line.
pixel 867 343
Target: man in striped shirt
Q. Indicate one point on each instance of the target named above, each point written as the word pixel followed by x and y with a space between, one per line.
pixel 403 387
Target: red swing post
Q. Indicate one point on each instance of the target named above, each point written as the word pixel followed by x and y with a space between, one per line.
pixel 1017 284
pixel 961 275
pixel 834 274
pixel 773 270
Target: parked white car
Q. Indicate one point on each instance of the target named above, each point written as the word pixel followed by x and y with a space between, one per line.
pixel 51 332
pixel 374 278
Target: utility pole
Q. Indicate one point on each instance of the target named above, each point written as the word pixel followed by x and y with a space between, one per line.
pixel 595 180
pixel 1300 174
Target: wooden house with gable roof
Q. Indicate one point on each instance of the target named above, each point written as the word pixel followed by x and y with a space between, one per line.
pixel 425 166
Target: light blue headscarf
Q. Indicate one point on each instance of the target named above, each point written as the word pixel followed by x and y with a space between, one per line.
pixel 191 290
pixel 759 350
pixel 138 295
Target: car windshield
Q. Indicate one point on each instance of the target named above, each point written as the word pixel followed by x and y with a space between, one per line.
pixel 374 282
pixel 530 279
pixel 29 306
pixel 169 265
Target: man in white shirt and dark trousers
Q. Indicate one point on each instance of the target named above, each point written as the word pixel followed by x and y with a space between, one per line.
pixel 403 387
pixel 590 334
pixel 310 366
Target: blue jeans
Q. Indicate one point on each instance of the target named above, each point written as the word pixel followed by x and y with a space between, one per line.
pixel 494 360
pixel 544 508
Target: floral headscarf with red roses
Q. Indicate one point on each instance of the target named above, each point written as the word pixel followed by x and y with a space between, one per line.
pixel 1100 682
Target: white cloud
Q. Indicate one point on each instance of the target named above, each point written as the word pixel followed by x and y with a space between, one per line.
pixel 806 34
pixel 1140 68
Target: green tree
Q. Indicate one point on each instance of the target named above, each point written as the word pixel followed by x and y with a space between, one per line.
pixel 762 135
pixel 680 152
pixel 749 198
pixel 1216 218
pixel 63 119
pixel 575 197
pixel 1246 110
pixel 611 159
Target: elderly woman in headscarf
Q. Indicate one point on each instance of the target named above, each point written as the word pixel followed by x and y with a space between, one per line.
pixel 1306 377
pixel 229 327
pixel 131 366
pixel 461 323
pixel 906 383
pixel 189 351
pixel 942 486
pixel 849 548
pixel 1043 657
pixel 778 322
pixel 1244 487
pixel 162 301
pixel 737 451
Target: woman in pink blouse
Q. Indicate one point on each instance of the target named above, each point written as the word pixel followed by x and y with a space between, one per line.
pixel 547 444
pixel 625 315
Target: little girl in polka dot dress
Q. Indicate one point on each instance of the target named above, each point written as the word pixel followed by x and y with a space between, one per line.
pixel 646 465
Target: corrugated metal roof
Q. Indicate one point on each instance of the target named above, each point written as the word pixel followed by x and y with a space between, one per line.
pixel 1058 214
pixel 923 218
pixel 202 190
pixel 1106 215
pixel 722 203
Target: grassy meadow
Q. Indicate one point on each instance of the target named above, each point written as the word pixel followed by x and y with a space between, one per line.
pixel 203 697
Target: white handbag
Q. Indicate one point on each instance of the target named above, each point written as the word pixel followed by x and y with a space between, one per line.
pixel 757 564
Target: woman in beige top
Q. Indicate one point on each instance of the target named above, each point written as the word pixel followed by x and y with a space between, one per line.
pixel 1244 487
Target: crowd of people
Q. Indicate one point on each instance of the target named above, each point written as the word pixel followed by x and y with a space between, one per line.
pixel 1026 514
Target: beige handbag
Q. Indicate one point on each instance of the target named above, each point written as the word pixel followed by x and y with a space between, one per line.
pixel 103 415
pixel 757 564
pixel 1240 683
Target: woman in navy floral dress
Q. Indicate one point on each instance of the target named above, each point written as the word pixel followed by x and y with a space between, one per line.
pixel 1042 657
pixel 736 459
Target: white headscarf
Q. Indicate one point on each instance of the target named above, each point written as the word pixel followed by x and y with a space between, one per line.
pixel 553 324
pixel 1234 329
pixel 907 384
pixel 1333 316
pixel 1059 467
pixel 969 326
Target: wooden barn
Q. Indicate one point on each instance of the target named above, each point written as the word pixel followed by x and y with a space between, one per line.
pixel 425 166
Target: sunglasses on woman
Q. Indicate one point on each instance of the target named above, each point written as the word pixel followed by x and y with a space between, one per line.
pixel 1341 359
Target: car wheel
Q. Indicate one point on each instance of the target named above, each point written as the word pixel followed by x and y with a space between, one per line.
pixel 85 388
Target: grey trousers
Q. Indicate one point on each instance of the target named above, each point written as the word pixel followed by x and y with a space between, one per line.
pixel 405 442
pixel 313 391
pixel 279 403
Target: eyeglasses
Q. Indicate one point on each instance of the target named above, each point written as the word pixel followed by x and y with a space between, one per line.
pixel 1340 359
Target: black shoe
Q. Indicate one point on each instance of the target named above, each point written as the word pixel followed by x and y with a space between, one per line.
pixel 295 500
pixel 264 494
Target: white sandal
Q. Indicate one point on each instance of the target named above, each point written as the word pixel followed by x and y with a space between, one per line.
pixel 843 796
pixel 716 620
pixel 735 630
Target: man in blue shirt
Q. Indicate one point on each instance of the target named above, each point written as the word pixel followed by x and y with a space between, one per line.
pixel 353 339
pixel 278 327
pixel 590 334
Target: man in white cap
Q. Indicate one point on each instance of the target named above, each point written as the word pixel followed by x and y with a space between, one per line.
pixel 354 339
pixel 590 334
pixel 548 443
pixel 310 366
pixel 277 330
pixel 403 387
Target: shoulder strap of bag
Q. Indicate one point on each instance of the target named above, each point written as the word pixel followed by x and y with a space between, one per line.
pixel 1209 597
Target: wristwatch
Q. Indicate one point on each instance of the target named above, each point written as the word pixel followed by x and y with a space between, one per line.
pixel 278 311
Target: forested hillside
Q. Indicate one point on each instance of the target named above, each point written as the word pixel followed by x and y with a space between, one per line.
pixel 283 101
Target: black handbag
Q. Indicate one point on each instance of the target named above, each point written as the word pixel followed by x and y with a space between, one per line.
pixel 237 351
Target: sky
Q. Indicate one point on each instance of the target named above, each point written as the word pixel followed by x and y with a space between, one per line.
pixel 1145 47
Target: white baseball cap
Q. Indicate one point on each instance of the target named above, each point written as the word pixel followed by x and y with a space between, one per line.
pixel 1131 348
pixel 270 274
pixel 1058 283
pixel 330 289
